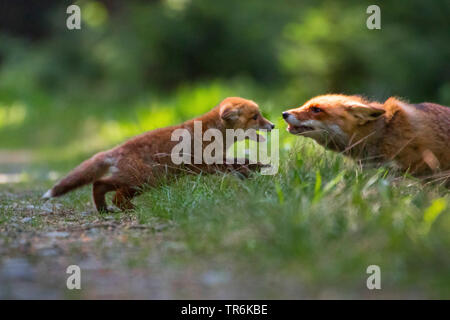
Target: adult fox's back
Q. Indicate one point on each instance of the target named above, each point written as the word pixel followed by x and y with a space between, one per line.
pixel 439 116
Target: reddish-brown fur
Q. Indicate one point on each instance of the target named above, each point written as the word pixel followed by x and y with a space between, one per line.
pixel 143 159
pixel 416 137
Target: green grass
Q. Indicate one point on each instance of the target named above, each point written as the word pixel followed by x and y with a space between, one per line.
pixel 321 220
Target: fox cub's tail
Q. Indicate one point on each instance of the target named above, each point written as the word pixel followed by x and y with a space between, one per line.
pixel 86 173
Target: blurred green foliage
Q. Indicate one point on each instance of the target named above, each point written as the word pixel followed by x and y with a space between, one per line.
pixel 139 55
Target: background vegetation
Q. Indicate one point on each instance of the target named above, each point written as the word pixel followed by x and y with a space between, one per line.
pixel 139 65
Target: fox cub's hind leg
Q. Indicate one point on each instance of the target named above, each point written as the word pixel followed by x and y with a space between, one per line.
pixel 99 190
pixel 122 198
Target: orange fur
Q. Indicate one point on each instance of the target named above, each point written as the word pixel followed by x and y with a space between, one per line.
pixel 416 137
pixel 143 159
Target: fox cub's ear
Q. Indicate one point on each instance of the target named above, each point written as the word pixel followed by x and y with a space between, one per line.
pixel 364 113
pixel 229 112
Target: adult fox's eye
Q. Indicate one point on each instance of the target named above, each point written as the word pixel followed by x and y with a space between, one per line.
pixel 316 109
pixel 255 117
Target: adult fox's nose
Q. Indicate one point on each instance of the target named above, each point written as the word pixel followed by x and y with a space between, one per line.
pixel 272 126
pixel 285 114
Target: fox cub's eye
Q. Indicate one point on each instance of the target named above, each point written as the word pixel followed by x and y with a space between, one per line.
pixel 316 109
pixel 255 117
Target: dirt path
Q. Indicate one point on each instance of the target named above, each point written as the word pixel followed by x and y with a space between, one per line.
pixel 118 258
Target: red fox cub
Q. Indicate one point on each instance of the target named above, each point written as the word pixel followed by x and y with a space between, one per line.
pixel 141 160
pixel 415 137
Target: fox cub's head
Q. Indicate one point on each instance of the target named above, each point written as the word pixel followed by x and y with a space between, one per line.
pixel 333 120
pixel 239 113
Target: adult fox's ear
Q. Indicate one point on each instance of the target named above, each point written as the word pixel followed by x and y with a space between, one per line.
pixel 229 112
pixel 364 112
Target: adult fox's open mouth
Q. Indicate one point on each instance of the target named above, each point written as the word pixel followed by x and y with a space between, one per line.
pixel 298 129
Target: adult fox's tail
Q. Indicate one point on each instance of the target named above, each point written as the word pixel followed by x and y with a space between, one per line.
pixel 86 173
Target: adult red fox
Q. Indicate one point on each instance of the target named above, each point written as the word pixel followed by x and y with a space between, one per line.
pixel 415 137
pixel 142 159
